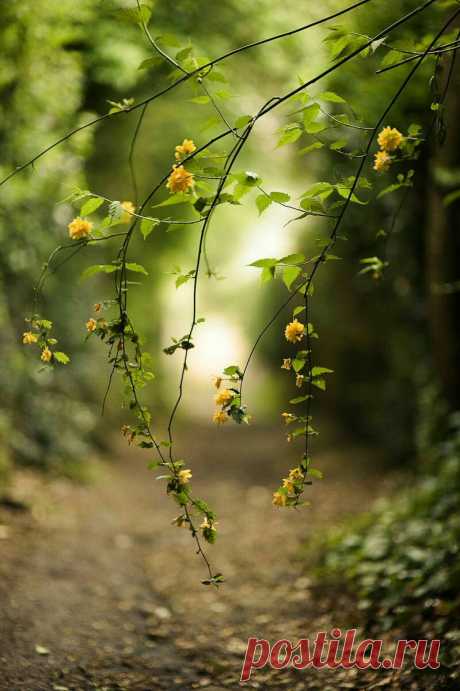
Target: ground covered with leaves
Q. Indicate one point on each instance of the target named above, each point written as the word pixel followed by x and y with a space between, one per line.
pixel 99 591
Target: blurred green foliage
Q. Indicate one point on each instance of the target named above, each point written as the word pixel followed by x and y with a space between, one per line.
pixel 59 65
pixel 401 559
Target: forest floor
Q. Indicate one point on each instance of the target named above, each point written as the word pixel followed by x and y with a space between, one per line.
pixel 99 591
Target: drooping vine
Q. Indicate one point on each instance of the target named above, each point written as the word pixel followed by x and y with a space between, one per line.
pixel 205 177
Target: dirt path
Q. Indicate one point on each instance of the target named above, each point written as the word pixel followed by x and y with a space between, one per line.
pixel 110 592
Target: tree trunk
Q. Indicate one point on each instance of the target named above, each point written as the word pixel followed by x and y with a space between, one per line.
pixel 443 250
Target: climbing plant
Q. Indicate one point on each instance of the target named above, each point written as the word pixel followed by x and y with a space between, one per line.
pixel 377 159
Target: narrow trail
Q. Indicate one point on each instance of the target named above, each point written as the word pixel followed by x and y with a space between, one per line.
pixel 110 591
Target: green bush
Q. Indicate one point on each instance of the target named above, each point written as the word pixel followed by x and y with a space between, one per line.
pixel 402 559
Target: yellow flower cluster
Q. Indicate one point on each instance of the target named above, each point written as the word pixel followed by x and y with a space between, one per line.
pixel 180 180
pixel 388 140
pixel 128 210
pixel 185 149
pixel 294 331
pixel 184 476
pixel 292 485
pixel 79 228
pixel 224 397
pixel 287 363
pixel 382 161
pixel 46 354
pixel 28 338
pixel 91 325
pixel 220 418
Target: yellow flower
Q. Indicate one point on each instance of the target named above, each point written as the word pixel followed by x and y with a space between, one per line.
pixel 91 325
pixel 208 525
pixel 224 397
pixel 128 433
pixel 46 354
pixel 288 417
pixel 217 381
pixel 79 228
pixel 98 307
pixel 382 161
pixel 279 499
pixel 390 139
pixel 180 180
pixel 180 521
pixel 129 209
pixel 294 331
pixel 184 476
pixel 288 484
pixel 220 418
pixel 299 380
pixel 187 147
pixel 287 363
pixel 295 474
pixel 28 337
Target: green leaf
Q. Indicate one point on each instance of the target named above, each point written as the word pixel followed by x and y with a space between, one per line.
pixel 451 197
pixel 290 273
pixel 242 121
pixel 137 268
pixel 280 197
pixel 179 198
pixel 339 144
pixel 91 205
pixel 262 203
pixel 200 100
pixel 297 258
pixel 345 193
pixel 147 225
pixel 265 263
pixel 311 147
pixel 316 371
pixel 315 473
pixel 315 127
pixel 331 97
pixel 268 273
pixel 289 136
pixel 98 268
pixel 298 310
pixel 320 384
pixel 61 357
pixel 298 399
pixel 310 114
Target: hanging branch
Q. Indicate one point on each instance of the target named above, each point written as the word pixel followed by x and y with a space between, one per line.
pixel 125 354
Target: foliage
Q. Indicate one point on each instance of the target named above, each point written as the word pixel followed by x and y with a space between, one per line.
pixel 199 180
pixel 401 559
